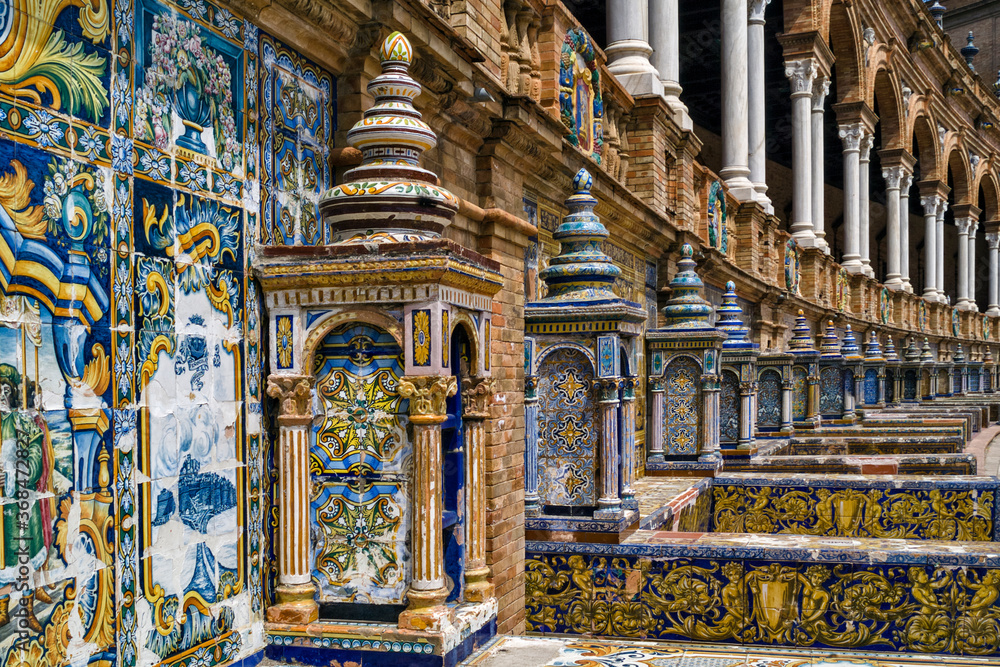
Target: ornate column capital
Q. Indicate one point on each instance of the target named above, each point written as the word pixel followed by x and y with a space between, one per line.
pixel 531 388
pixel 755 11
pixel 608 389
pixel 866 146
pixel 893 176
pixel 820 89
pixel 657 383
pixel 993 240
pixel 801 74
pixel 477 396
pixel 906 183
pixel 293 393
pixel 964 225
pixel 628 388
pixel 427 395
pixel 931 204
pixel 851 135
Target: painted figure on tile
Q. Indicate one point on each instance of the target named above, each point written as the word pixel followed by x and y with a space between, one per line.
pixel 792 267
pixel 580 102
pixel 718 234
pixel 769 399
pixel 843 291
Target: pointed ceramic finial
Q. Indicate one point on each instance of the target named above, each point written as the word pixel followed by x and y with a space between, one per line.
pixel 912 351
pixel 829 345
pixel 969 51
pixel 959 354
pixel 801 342
pixel 389 197
pixel 686 309
pixel 890 350
pixel 849 347
pixel 729 321
pixel 872 348
pixel 925 352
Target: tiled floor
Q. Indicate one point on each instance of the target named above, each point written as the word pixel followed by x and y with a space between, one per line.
pixel 544 652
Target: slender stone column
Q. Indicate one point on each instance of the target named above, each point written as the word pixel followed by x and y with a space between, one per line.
pixel 735 113
pixel 880 396
pixel 930 205
pixel 963 225
pixel 812 396
pixel 747 414
pixel 939 247
pixel 628 444
pixel 709 417
pixel 757 88
pixel 821 87
pixel 852 135
pixel 477 394
pixel 609 502
pixel 993 240
pixel 859 388
pixel 904 228
pixel 864 194
pixel 971 291
pixel 664 38
pixel 786 408
pixel 628 49
pixel 655 428
pixel 295 593
pixel 850 411
pixel 531 504
pixel 894 276
pixel 801 74
pixel 427 395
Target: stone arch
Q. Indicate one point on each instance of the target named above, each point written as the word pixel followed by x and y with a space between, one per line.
pixel 460 318
pixel 925 136
pixel 846 44
pixel 989 201
pixel 570 345
pixel 885 89
pixel 319 329
pixel 961 178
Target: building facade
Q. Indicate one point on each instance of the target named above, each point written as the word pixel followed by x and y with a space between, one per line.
pixel 289 288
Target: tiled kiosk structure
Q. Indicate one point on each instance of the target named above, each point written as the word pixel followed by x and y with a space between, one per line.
pixel 381 371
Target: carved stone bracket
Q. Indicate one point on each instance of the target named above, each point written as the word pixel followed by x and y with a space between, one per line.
pixel 477 396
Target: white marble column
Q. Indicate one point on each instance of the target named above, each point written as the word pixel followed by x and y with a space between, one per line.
pixel 757 87
pixel 735 113
pixel 664 38
pixel 971 289
pixel 993 240
pixel 864 195
pixel 893 176
pixel 851 135
pixel 904 228
pixel 628 47
pixel 821 87
pixel 939 247
pixel 963 225
pixel 930 205
pixel 801 74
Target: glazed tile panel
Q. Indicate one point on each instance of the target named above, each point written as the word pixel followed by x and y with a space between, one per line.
pixel 942 510
pixel 799 393
pixel 130 362
pixel 681 425
pixel 568 430
pixel 769 399
pixel 831 391
pixel 777 595
pixel 360 468
pixel 729 407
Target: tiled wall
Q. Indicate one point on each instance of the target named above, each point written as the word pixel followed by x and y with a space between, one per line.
pixel 146 147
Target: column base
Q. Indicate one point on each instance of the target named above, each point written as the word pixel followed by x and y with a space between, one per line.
pixel 852 264
pixel 427 611
pixel 532 509
pixel 964 304
pixel 739 185
pixel 867 269
pixel 295 604
pixel 656 458
pixel 993 311
pixel 930 294
pixel 895 284
pixel 477 585
pixel 907 287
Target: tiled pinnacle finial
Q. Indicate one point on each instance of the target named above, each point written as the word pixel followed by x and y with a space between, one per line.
pixel 969 51
pixel 581 271
pixel 988 358
pixel 801 341
pixel 389 197
pixel 829 346
pixel 872 348
pixel 849 346
pixel 959 354
pixel 912 352
pixel 686 309
pixel 890 350
pixel 729 321
pixel 925 351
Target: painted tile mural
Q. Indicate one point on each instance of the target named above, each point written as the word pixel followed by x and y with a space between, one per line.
pixel 769 399
pixel 360 462
pixel 130 368
pixel 568 429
